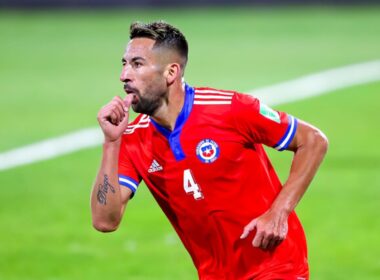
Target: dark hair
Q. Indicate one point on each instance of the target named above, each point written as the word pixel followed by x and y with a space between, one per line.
pixel 164 34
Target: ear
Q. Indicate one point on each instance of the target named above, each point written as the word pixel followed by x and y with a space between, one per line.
pixel 173 72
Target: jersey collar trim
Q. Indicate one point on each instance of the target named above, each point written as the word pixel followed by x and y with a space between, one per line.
pixel 174 136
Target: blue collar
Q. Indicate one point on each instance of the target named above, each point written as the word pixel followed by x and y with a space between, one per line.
pixel 174 136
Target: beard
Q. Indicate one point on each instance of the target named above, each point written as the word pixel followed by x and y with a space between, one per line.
pixel 147 105
pixel 150 102
pixel 149 99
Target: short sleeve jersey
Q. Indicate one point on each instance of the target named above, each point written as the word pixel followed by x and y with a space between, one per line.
pixel 211 177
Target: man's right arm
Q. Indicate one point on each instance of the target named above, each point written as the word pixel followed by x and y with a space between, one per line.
pixel 108 199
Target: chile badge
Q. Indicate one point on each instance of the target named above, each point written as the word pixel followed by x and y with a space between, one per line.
pixel 207 151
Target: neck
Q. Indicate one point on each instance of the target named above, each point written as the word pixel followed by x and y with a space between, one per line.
pixel 168 113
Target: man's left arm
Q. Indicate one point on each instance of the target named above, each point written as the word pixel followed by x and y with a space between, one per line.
pixel 309 146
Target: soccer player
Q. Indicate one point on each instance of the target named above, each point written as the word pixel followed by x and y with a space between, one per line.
pixel 200 152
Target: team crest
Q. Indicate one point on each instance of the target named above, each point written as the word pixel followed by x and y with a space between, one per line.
pixel 207 151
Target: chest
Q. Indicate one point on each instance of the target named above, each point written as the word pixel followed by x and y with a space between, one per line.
pixel 213 158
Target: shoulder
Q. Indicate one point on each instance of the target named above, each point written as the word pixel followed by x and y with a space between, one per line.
pixel 139 125
pixel 212 96
pixel 235 100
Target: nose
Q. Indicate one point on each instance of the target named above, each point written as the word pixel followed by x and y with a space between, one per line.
pixel 125 75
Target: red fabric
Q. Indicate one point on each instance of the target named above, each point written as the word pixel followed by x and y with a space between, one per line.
pixel 238 186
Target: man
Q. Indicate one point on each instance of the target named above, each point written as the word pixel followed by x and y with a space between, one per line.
pixel 199 151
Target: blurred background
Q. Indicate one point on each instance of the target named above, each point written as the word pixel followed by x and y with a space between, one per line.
pixel 60 62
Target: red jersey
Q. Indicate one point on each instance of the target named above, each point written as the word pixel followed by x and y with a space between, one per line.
pixel 211 177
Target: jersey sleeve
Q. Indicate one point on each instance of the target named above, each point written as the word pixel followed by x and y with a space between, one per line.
pixel 128 175
pixel 260 124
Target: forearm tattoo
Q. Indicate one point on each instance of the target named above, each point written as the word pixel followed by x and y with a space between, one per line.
pixel 103 190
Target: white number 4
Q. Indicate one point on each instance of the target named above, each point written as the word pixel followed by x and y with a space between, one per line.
pixel 190 186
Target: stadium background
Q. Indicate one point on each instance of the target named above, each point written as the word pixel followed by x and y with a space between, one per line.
pixel 59 66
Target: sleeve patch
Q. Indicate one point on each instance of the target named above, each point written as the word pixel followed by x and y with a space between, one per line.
pixel 269 113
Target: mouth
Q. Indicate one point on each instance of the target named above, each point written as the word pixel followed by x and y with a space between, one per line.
pixel 130 90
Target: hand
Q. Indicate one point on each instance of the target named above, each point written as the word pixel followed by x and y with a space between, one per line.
pixel 113 117
pixel 271 230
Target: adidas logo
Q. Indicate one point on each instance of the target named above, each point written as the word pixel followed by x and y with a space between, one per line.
pixel 155 166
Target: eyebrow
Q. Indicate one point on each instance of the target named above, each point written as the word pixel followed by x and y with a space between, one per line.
pixel 133 59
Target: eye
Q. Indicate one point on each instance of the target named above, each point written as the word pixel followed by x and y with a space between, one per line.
pixel 137 64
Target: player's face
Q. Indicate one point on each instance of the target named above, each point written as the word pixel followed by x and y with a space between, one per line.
pixel 143 76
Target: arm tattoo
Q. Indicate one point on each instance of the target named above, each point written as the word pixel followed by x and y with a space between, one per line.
pixel 103 190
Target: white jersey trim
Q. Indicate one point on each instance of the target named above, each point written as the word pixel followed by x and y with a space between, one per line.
pixel 212 96
pixel 213 91
pixel 289 136
pixel 144 122
pixel 196 102
pixel 128 182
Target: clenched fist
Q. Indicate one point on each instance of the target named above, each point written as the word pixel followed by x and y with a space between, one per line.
pixel 113 117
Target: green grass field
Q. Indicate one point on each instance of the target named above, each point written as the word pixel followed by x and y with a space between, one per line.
pixel 58 68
